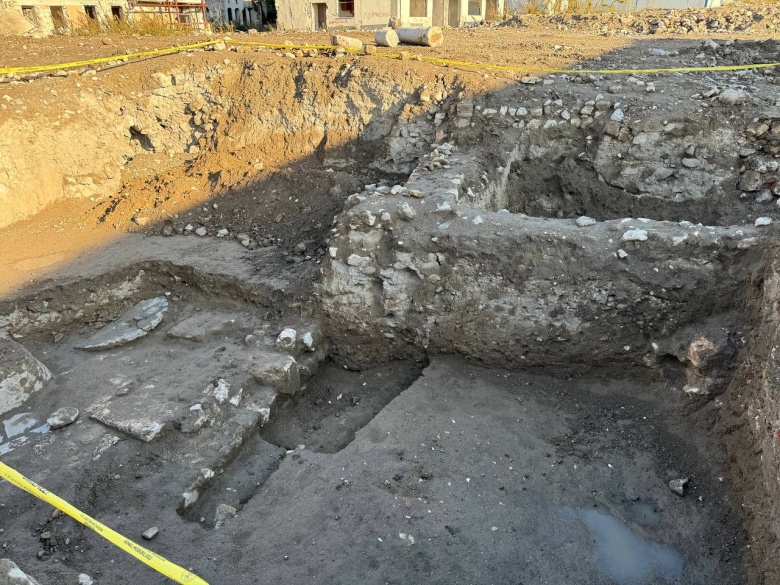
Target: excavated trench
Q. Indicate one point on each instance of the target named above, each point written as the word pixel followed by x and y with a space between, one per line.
pixel 536 310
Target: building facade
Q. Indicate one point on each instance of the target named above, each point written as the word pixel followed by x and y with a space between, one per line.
pixel 309 15
pixel 61 15
pixel 51 15
pixel 240 13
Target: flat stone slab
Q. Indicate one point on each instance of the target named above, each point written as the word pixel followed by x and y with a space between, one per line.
pixel 203 326
pixel 143 415
pixel 135 323
pixel 11 574
pixel 21 375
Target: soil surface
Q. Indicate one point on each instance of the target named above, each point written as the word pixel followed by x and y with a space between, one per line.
pixel 469 476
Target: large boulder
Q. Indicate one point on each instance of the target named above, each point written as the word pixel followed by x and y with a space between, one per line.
pixel 21 375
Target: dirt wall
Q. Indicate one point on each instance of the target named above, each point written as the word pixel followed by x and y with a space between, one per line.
pixel 80 147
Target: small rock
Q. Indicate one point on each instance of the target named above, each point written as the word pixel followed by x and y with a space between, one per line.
pixel 617 115
pixel 678 485
pixel 751 180
pixel 167 231
pixel 243 239
pixel 691 163
pixel 656 52
pixel 201 231
pixel 694 390
pixel 732 97
pixel 63 417
pixel 622 254
pixel 222 233
pixel 308 340
pixel 764 196
pixel 763 221
pixel 287 338
pixel 300 248
pixel 150 533
pixel 224 512
pixel 407 212
pixel 585 221
pixel 635 236
pixel 85 579
pixel 141 220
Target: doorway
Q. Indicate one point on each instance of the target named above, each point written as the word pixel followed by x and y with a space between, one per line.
pixel 320 10
pixel 454 13
pixel 58 17
pixel 29 13
pixel 491 11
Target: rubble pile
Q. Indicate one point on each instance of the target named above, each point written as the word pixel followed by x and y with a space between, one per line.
pixel 691 21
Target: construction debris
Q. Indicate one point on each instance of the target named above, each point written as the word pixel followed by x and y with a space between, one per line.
pixel 386 37
pixel 347 42
pixel 426 37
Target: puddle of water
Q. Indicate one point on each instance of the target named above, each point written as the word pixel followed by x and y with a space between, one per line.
pixel 646 513
pixel 18 424
pixel 626 557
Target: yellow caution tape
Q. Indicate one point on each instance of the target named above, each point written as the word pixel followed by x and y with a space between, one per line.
pixel 432 60
pixel 451 62
pixel 438 61
pixel 282 46
pixel 168 51
pixel 146 556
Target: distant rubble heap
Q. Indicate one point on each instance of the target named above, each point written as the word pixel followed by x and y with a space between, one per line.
pixel 736 18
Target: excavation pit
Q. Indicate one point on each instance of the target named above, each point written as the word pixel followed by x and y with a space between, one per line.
pixel 453 336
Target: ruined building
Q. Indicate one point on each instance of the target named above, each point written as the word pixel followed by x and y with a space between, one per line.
pixel 49 15
pixel 53 15
pixel 367 14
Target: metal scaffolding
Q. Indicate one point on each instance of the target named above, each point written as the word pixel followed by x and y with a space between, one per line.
pixel 175 12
